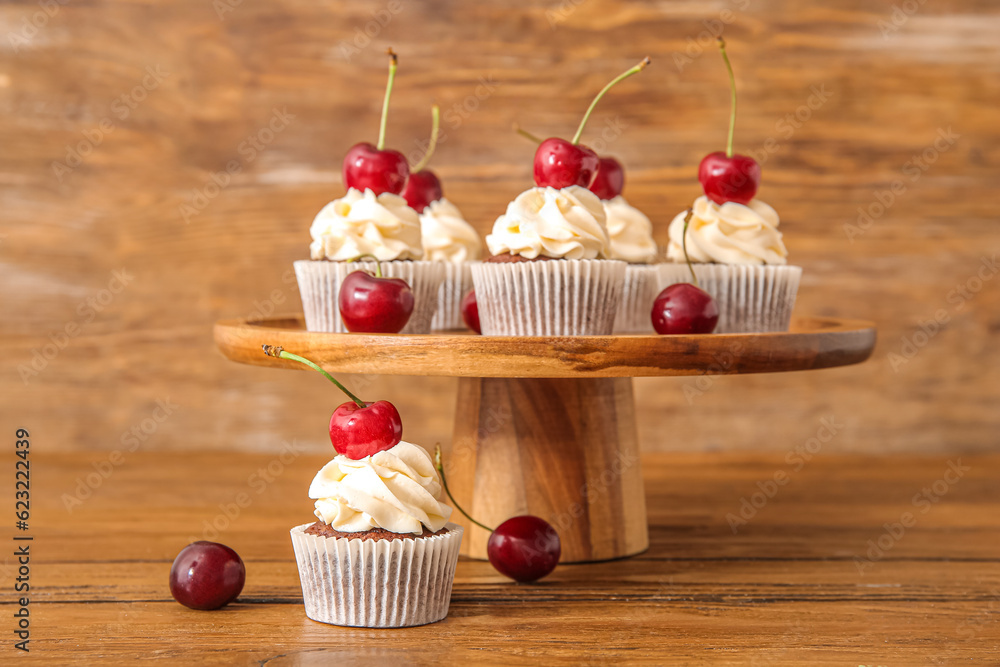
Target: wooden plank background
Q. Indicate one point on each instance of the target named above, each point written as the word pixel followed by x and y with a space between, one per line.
pixel 111 286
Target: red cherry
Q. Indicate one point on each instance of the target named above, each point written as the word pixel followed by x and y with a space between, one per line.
pixel 422 188
pixel 560 164
pixel 368 168
pixel 684 309
pixel 727 179
pixel 470 311
pixel 374 305
pixel 610 179
pixel 207 575
pixel 524 548
pixel 357 432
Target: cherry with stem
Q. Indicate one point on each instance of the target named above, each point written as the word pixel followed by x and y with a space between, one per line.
pixel 357 429
pixel 376 168
pixel 560 163
pixel 373 304
pixel 685 308
pixel 423 186
pixel 725 176
pixel 524 548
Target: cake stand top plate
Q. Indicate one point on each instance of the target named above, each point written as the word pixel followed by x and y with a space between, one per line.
pixel 811 343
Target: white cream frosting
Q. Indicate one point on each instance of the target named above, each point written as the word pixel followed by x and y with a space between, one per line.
pixel 357 224
pixel 447 237
pixel 730 233
pixel 630 231
pixel 396 489
pixel 567 223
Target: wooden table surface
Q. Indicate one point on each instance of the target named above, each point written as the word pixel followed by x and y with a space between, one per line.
pixel 785 588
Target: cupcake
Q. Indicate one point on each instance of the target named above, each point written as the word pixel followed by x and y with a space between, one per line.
pixel 631 240
pixel 549 274
pixel 360 226
pixel 447 238
pixel 740 259
pixel 382 553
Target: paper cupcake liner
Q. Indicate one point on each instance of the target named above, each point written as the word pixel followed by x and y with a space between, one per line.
pixel 376 583
pixel 457 282
pixel 319 287
pixel 640 291
pixel 751 298
pixel 564 297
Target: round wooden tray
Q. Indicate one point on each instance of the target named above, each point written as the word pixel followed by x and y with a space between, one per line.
pixel 546 425
pixel 812 342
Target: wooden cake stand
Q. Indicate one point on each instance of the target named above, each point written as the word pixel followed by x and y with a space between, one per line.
pixel 546 425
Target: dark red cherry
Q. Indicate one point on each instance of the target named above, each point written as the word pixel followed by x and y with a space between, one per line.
pixel 524 548
pixel 374 305
pixel 684 309
pixel 610 179
pixel 207 575
pixel 422 188
pixel 727 179
pixel 368 168
pixel 470 311
pixel 560 164
pixel 357 432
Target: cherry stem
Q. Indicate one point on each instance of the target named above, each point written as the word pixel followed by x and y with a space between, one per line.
pixel 684 246
pixel 373 258
pixel 444 483
pixel 279 352
pixel 527 135
pixel 624 75
pixel 732 92
pixel 435 126
pixel 385 104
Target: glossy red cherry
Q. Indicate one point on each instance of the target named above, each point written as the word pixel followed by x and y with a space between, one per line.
pixel 524 548
pixel 560 164
pixel 422 188
pixel 610 179
pixel 207 575
pixel 684 309
pixel 727 179
pixel 369 304
pixel 470 311
pixel 368 168
pixel 357 432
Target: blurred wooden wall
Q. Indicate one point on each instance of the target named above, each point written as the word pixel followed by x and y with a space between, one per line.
pixel 142 102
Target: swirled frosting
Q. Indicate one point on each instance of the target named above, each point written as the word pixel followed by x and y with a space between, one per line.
pixel 567 223
pixel 730 233
pixel 630 231
pixel 395 489
pixel 447 237
pixel 359 224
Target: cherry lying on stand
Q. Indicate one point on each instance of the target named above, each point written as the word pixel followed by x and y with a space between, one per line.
pixel 373 304
pixel 685 308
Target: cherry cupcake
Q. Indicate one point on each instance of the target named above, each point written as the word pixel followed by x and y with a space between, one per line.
pixel 549 274
pixel 382 553
pixel 733 242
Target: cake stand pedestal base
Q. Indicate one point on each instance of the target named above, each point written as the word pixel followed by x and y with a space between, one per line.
pixel 565 450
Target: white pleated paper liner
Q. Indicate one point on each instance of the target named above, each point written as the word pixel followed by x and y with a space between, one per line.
pixel 751 298
pixel 376 583
pixel 319 287
pixel 563 297
pixel 642 283
pixel 457 283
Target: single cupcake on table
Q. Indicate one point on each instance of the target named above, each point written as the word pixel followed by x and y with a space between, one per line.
pixel 549 274
pixel 733 242
pixel 631 240
pixel 371 223
pixel 445 236
pixel 382 553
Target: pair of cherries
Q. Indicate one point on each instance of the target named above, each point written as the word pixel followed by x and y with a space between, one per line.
pixel 524 548
pixel 381 170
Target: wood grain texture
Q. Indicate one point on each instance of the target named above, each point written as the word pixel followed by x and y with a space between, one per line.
pixel 564 449
pixel 811 344
pixel 783 590
pixel 223 75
